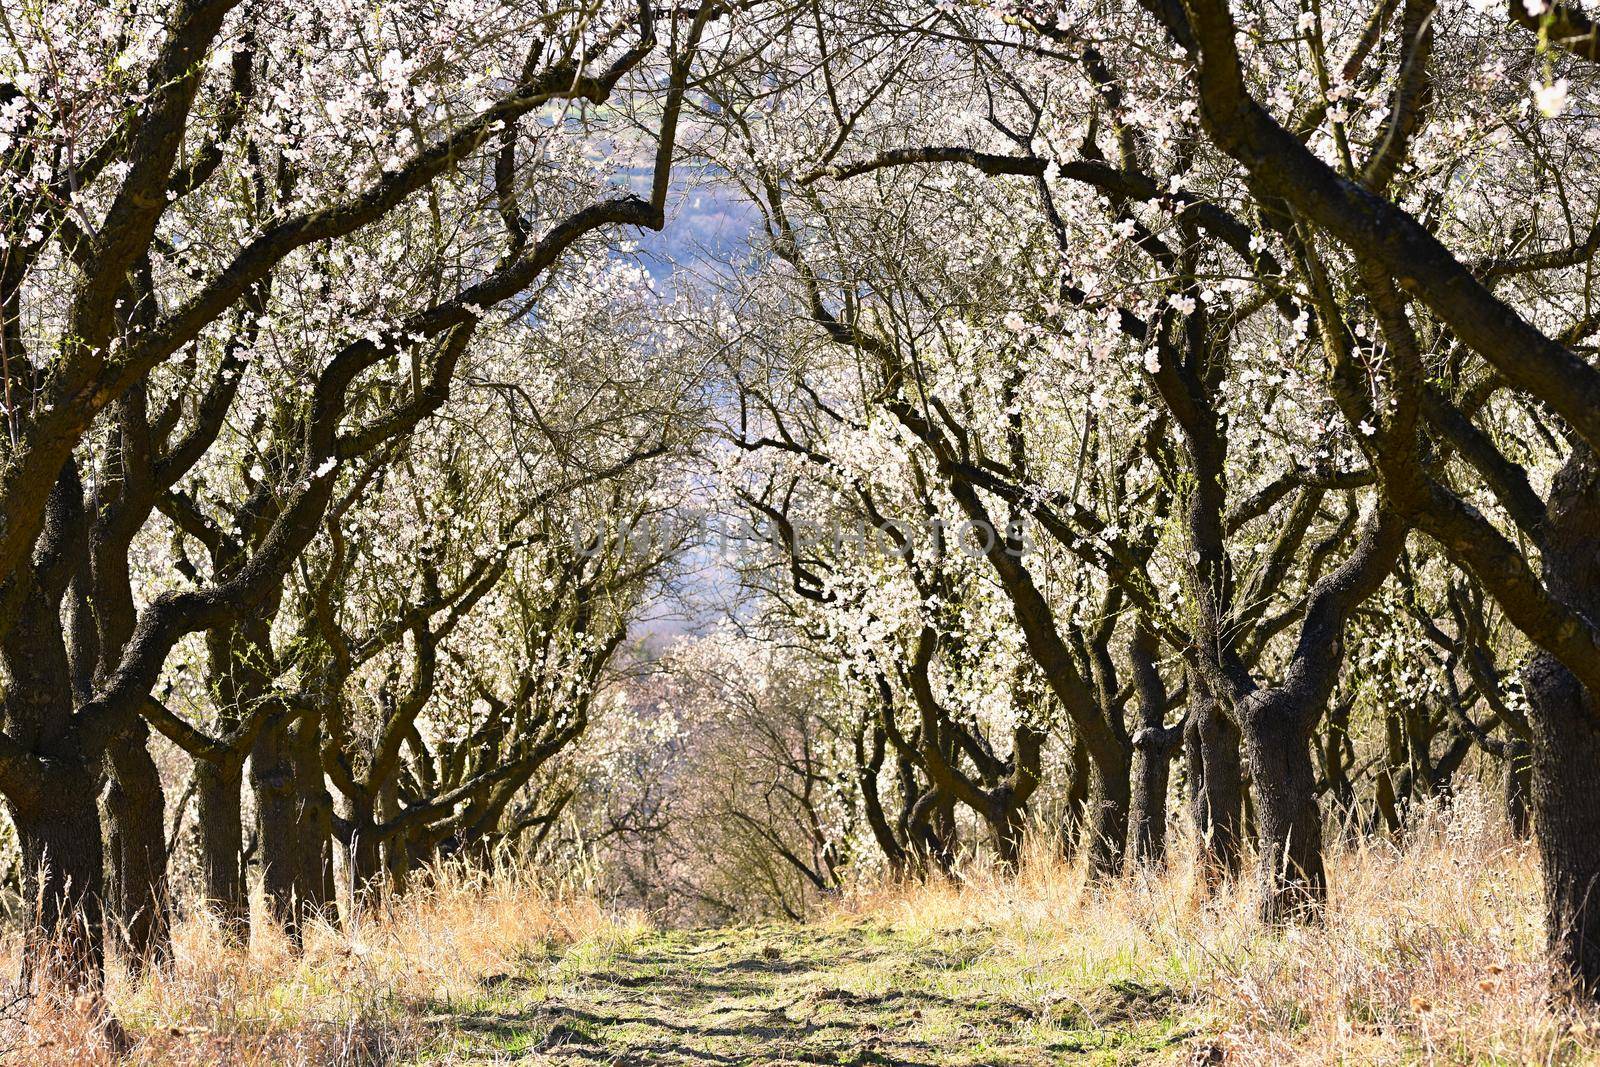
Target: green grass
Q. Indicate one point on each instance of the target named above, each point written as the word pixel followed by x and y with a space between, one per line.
pixel 834 993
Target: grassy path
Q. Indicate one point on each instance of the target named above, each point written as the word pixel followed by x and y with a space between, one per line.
pixel 831 994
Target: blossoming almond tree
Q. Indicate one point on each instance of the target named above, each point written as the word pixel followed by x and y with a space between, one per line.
pixel 1110 379
pixel 1338 157
pixel 202 180
pixel 1468 334
pixel 842 274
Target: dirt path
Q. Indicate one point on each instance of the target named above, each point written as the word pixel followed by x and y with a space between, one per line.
pixel 855 994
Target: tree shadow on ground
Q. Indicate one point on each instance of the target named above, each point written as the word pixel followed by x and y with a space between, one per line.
pixel 778 996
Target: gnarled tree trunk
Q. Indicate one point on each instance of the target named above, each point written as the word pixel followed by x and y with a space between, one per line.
pixel 57 817
pixel 1566 734
pixel 1566 755
pixel 1293 881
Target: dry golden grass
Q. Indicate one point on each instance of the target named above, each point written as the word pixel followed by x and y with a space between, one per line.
pixel 1431 952
pixel 353 996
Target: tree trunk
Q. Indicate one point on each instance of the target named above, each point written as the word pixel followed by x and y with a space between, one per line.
pixel 363 863
pixel 1518 789
pixel 365 856
pixel 316 827
pixel 1215 789
pixel 1108 820
pixel 1566 804
pixel 1007 821
pixel 1337 755
pixel 137 904
pixel 1153 744
pixel 220 828
pixel 396 850
pixel 1293 882
pixel 1449 763
pixel 294 821
pixel 57 819
pixel 277 818
pixel 942 816
pixel 1147 809
pixel 475 839
pixel 1077 798
pixel 63 878
pixel 869 764
pixel 1566 736
pixel 240 673
pixel 1388 801
pixel 929 850
pixel 1385 809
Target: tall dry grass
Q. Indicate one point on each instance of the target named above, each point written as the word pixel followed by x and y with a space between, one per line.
pixel 1432 949
pixel 358 995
